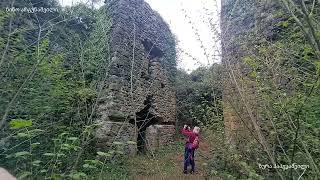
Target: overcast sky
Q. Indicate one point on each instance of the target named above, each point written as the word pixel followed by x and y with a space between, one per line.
pixel 189 20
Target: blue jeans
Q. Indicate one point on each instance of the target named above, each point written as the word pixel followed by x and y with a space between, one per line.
pixel 188 157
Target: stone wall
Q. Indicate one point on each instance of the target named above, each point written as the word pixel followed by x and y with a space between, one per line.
pixel 244 25
pixel 140 87
pixel 111 132
pixel 142 66
pixel 152 140
pixel 158 136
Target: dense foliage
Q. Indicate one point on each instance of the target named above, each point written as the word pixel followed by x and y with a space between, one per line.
pixel 199 96
pixel 280 65
pixel 51 71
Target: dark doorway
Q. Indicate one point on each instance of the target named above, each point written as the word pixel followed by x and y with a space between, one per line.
pixel 144 119
pixel 151 50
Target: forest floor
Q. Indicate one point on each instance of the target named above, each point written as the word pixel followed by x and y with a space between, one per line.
pixel 167 163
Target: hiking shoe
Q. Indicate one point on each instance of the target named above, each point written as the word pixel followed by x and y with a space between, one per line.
pixel 185 172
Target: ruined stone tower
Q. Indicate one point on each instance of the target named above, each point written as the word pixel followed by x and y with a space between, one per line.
pixel 262 79
pixel 245 24
pixel 139 102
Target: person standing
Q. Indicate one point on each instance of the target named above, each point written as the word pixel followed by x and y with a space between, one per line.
pixel 191 145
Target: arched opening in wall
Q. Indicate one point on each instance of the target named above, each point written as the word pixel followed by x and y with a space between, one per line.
pixel 144 119
pixel 151 50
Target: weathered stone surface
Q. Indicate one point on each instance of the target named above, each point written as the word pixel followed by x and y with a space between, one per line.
pixel 140 86
pixel 143 62
pixel 152 140
pixel 244 25
pixel 110 132
pixel 166 134
pixel 159 135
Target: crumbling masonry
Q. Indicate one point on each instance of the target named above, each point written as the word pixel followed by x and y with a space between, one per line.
pixel 139 102
pixel 244 25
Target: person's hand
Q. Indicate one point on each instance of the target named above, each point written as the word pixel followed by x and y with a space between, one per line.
pixel 185 126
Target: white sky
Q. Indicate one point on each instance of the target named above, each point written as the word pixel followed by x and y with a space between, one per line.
pixel 178 14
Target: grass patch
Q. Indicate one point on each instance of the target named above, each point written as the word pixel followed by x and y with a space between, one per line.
pixel 163 162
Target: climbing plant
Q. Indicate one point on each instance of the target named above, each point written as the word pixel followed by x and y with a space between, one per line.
pixel 51 73
pixel 278 64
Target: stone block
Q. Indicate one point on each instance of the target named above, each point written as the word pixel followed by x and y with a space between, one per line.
pixel 151 135
pixel 110 132
pixel 158 136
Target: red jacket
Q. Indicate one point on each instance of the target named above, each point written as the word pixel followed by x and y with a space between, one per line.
pixel 191 136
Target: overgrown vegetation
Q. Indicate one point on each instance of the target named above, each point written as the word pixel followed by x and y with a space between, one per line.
pixel 52 67
pixel 200 96
pixel 273 67
pixel 52 70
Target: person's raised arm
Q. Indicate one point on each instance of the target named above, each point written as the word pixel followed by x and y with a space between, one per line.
pixel 185 131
